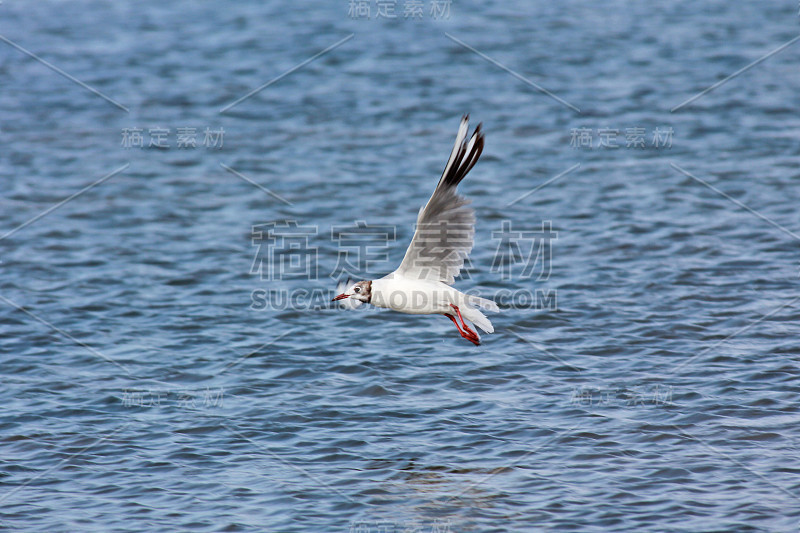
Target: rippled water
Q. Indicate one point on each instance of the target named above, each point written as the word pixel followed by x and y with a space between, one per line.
pixel 143 390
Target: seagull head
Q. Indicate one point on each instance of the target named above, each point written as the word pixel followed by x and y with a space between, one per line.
pixel 361 291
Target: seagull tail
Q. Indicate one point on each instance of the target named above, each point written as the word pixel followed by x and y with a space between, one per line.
pixel 477 318
pixel 483 303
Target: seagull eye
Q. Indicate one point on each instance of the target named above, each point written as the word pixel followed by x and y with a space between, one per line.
pixel 357 289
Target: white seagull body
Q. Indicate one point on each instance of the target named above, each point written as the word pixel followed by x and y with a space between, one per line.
pixel 443 239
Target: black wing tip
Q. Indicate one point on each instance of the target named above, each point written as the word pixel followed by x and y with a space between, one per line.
pixel 479 133
pixel 465 161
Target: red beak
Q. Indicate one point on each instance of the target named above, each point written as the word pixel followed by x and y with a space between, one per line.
pixel 340 297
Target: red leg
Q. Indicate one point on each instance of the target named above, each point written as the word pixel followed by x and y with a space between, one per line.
pixel 470 335
pixel 465 326
pixel 451 317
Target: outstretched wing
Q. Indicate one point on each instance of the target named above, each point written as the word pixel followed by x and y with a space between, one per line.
pixel 445 225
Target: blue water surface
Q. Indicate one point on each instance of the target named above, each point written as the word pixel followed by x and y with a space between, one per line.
pixel 648 383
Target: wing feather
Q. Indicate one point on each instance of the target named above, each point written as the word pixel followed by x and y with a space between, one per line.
pixel 445 225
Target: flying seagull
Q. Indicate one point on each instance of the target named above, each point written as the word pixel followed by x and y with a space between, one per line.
pixel 442 240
